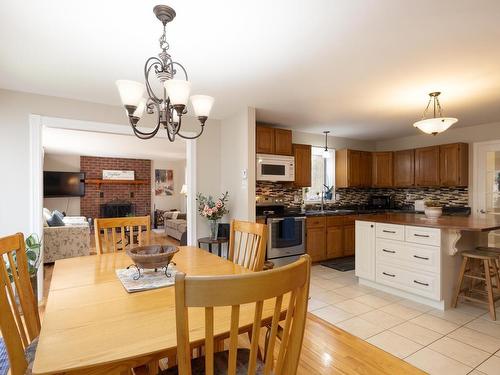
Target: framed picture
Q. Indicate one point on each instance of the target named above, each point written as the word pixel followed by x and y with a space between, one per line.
pixel 164 182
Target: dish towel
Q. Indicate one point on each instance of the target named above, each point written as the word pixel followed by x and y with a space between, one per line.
pixel 288 228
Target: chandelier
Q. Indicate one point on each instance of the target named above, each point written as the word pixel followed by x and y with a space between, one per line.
pixel 171 105
pixel 435 124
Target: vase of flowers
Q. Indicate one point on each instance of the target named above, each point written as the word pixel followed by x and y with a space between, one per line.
pixel 213 210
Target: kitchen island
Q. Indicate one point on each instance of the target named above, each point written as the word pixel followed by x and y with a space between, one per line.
pixel 415 257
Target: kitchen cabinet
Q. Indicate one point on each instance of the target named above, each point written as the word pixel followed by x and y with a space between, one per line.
pixel 270 140
pixel 315 238
pixel 334 243
pixel 427 166
pixel 349 240
pixel 302 154
pixel 353 168
pixel 382 169
pixel 365 250
pixel 404 168
pixel 453 164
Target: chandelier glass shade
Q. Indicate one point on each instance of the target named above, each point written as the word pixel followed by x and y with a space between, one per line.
pixel 434 125
pixel 170 105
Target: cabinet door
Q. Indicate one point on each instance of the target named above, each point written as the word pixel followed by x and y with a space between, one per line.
pixel 382 169
pixel 316 244
pixel 404 168
pixel 282 142
pixel 353 166
pixel 427 166
pixel 349 240
pixel 264 140
pixel 334 242
pixel 302 154
pixel 453 164
pixel 365 250
pixel 365 169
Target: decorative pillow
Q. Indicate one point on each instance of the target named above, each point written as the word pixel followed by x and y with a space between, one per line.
pixel 58 213
pixel 55 221
pixel 46 216
pixel 181 216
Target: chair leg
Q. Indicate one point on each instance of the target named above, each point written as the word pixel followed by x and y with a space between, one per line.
pixel 494 266
pixel 460 280
pixel 489 289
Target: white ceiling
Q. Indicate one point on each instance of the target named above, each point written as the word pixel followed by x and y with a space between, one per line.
pixel 87 143
pixel 360 68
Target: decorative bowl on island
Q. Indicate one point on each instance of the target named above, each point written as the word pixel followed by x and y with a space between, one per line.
pixel 152 256
pixel 433 209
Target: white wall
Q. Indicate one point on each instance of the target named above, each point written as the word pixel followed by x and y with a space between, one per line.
pixel 237 156
pixel 62 163
pixel 177 200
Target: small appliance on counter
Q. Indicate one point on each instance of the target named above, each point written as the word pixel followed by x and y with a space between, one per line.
pixel 381 202
pixel 419 205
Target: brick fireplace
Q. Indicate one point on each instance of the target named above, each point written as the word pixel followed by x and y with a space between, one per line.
pixel 100 198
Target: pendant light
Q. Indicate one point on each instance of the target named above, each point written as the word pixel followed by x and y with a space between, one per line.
pixel 435 124
pixel 326 152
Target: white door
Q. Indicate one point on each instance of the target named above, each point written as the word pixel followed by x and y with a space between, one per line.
pixel 365 250
pixel 486 183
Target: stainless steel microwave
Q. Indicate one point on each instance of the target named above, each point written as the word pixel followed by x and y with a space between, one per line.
pixel 275 168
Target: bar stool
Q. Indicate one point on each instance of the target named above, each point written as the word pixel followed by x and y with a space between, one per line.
pixel 472 261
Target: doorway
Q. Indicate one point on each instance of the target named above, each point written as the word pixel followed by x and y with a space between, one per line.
pixel 486 193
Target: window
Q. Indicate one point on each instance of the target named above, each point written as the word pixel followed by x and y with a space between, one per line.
pixel 322 173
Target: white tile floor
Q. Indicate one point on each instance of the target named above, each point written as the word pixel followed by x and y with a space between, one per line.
pixel 456 341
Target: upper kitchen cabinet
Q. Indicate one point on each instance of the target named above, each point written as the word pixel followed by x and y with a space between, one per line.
pixel 404 168
pixel 353 168
pixel 427 166
pixel 282 142
pixel 273 141
pixel 302 154
pixel 382 175
pixel 454 164
pixel 264 140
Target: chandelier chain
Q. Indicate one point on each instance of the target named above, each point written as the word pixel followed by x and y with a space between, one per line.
pixel 163 40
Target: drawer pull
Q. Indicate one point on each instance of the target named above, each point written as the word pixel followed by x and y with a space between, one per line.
pixel 421 235
pixel 420 283
pixel 388 274
pixel 388 231
pixel 389 251
pixel 419 257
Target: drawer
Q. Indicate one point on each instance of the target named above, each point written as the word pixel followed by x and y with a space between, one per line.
pixel 389 275
pixel 316 221
pixel 390 231
pixel 423 235
pixel 389 250
pixel 334 220
pixel 423 257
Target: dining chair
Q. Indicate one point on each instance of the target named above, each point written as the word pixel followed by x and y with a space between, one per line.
pixel 285 286
pixel 19 319
pixel 109 239
pixel 247 244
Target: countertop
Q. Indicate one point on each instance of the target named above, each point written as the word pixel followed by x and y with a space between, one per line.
pixel 466 223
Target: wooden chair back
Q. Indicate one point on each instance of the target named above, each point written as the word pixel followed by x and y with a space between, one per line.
pixel 247 244
pixel 109 239
pixel 19 319
pixel 285 286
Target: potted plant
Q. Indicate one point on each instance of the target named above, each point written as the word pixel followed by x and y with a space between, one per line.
pixel 433 209
pixel 213 210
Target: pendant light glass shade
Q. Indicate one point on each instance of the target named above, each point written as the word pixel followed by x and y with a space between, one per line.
pixel 178 91
pixel 202 105
pixel 435 125
pixel 131 92
pixel 326 154
pixel 140 108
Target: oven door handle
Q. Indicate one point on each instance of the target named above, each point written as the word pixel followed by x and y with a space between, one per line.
pixel 275 220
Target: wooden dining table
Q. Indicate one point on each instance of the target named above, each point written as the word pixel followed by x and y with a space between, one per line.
pixel 92 325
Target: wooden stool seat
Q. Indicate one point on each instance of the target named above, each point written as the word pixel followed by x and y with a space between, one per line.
pixel 481 254
pixel 489 248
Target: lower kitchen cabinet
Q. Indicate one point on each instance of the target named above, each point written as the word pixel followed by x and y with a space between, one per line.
pixel 316 243
pixel 349 240
pixel 365 250
pixel 334 247
pixel 330 237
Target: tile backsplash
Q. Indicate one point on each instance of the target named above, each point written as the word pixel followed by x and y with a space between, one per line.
pixel 447 196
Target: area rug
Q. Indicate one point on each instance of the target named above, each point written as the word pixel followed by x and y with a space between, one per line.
pixel 340 264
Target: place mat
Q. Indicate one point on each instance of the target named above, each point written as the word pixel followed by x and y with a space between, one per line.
pixel 149 278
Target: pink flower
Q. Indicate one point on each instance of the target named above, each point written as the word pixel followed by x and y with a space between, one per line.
pixel 218 204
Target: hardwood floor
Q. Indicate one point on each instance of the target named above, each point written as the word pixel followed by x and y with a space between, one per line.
pixel 326 349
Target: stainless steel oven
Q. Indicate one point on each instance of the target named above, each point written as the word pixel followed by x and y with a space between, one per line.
pixel 283 249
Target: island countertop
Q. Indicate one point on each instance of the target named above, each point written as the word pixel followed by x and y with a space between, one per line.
pixel 465 223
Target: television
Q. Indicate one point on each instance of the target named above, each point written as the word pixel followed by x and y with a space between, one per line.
pixel 63 184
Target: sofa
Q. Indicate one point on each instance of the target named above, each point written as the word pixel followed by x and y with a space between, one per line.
pixel 70 240
pixel 175 224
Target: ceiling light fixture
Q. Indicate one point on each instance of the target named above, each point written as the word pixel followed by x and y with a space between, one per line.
pixel 435 124
pixel 326 152
pixel 171 105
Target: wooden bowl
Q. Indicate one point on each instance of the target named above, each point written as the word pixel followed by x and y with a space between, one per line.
pixel 152 256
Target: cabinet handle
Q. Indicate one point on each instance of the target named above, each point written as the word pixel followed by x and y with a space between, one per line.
pixel 388 231
pixel 419 257
pixel 420 283
pixel 371 226
pixel 389 251
pixel 388 274
pixel 421 235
